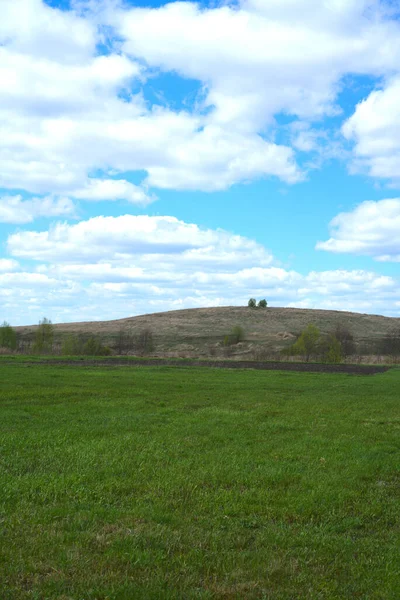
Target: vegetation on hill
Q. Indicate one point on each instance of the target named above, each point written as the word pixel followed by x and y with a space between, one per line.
pixel 208 332
pixel 331 348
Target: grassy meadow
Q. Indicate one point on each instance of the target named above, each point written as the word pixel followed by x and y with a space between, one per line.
pixel 181 483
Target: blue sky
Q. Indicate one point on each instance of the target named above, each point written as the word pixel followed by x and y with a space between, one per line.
pixel 162 156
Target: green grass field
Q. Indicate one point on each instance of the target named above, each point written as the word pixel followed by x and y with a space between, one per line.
pixel 153 483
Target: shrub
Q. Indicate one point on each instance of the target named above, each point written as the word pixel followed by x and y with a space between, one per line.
pixel 333 352
pixel 44 337
pixel 8 337
pixel 252 303
pixel 307 343
pixel 124 342
pixel 235 336
pixel 144 342
pixel 76 346
pixel 93 347
pixel 227 341
pixel 263 304
pixel 72 346
pixel 343 334
pixel 390 344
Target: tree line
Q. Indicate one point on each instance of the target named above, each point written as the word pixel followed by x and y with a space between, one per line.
pixel 43 342
pixel 332 348
pixel 311 343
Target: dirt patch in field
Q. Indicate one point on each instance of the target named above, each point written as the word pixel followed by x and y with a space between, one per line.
pixel 219 364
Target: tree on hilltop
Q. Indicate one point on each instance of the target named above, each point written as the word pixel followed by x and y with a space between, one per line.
pixel 252 303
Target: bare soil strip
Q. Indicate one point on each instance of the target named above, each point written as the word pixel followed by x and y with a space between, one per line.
pixel 220 364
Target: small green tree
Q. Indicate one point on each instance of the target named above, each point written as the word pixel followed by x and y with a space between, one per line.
pixel 263 304
pixel 72 346
pixel 252 303
pixel 8 337
pixel 343 334
pixel 309 340
pixel 124 342
pixel 93 347
pixel 144 342
pixel 44 336
pixel 235 336
pixel 333 353
pixel 307 343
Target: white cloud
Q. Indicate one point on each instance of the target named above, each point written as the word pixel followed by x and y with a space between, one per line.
pixel 113 189
pixel 13 209
pixel 110 267
pixel 371 229
pixel 260 59
pixel 77 125
pixel 128 238
pixel 27 280
pixel 215 159
pixel 60 121
pixel 7 265
pixel 375 129
pixel 34 27
pixel 66 112
pixel 43 87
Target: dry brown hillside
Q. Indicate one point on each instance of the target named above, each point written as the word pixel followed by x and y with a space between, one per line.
pixel 201 331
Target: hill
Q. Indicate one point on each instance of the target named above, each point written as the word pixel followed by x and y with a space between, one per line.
pixel 200 331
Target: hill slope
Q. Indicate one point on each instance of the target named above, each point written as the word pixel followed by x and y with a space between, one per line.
pixel 195 331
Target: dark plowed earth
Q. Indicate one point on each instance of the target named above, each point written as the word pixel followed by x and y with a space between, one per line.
pixel 220 364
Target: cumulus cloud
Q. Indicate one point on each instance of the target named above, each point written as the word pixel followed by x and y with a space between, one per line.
pixel 44 31
pixel 136 238
pixel 371 229
pixel 110 267
pixel 260 58
pixel 13 209
pixel 27 280
pixel 63 119
pixel 7 264
pixel 67 112
pixel 375 129
pixel 113 189
pixel 76 123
